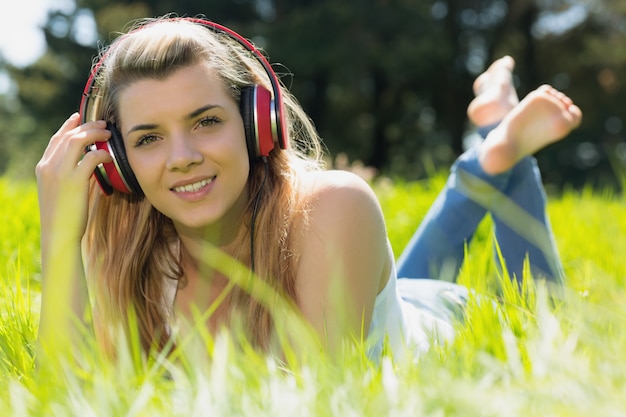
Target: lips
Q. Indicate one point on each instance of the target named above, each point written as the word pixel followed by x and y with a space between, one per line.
pixel 193 187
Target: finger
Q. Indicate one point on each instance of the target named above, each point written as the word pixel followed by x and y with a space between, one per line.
pixel 84 136
pixel 72 127
pixel 65 152
pixel 60 140
pixel 91 160
pixel 89 133
pixel 72 122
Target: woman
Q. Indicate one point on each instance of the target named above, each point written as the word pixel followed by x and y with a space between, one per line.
pixel 216 153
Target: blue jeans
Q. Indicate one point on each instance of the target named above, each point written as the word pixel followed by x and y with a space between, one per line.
pixel 516 201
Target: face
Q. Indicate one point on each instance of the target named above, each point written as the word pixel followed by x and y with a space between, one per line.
pixel 185 142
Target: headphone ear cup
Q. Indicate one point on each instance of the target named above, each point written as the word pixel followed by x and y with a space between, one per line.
pixel 129 183
pixel 116 174
pixel 246 108
pixel 255 105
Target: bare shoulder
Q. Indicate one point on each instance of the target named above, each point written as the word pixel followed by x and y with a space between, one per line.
pixel 338 188
pixel 343 254
pixel 344 208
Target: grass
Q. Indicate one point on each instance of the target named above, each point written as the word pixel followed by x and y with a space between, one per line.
pixel 531 356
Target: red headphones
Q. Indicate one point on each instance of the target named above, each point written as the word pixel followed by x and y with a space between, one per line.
pixel 261 110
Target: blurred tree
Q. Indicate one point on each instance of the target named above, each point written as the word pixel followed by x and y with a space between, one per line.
pixel 578 47
pixel 363 73
pixel 50 89
pixel 386 81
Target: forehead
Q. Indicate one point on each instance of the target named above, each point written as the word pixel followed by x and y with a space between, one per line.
pixel 180 92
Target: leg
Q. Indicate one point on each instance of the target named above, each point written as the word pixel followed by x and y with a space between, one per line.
pixel 522 227
pixel 544 116
pixel 495 95
pixel 502 178
pixel 437 248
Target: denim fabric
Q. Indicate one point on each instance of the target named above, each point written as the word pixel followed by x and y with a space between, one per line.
pixel 516 200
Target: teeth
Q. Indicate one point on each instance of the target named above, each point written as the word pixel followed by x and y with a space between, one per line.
pixel 190 188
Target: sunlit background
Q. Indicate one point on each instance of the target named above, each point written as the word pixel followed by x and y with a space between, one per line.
pixel 386 83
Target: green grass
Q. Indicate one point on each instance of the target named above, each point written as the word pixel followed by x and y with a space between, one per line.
pixel 532 356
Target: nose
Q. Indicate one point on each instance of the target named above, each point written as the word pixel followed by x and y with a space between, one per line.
pixel 183 154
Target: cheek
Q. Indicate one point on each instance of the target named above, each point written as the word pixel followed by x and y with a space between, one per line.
pixel 137 165
pixel 241 164
pixel 238 150
pixel 145 170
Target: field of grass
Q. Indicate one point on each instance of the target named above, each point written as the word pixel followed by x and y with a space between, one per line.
pixel 534 356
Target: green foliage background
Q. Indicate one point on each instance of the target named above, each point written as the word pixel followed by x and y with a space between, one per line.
pixel 386 82
pixel 531 356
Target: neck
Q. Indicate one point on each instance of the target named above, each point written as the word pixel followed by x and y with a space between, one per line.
pixel 205 291
pixel 221 234
pixel 193 241
pixel 205 280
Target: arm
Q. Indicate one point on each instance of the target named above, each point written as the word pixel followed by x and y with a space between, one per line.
pixel 344 259
pixel 62 183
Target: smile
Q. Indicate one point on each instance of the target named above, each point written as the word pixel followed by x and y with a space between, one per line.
pixel 191 188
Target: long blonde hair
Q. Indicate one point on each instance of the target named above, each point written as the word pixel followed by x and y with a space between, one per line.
pixel 131 248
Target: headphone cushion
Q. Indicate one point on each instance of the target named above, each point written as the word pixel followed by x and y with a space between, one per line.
pixel 255 107
pixel 118 150
pixel 246 108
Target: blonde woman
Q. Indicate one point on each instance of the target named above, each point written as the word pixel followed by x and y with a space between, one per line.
pixel 199 145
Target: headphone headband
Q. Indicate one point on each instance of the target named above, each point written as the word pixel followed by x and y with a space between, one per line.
pixel 278 127
pixel 262 111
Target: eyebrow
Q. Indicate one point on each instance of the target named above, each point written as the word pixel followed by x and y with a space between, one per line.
pixel 193 114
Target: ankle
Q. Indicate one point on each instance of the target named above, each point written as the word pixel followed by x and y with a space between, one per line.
pixel 497 154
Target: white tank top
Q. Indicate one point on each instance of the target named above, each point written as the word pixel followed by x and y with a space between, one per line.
pixel 408 316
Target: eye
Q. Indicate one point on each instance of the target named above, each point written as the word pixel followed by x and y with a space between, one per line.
pixel 146 140
pixel 209 121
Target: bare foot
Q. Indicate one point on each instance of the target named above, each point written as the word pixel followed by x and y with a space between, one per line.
pixel 495 93
pixel 544 116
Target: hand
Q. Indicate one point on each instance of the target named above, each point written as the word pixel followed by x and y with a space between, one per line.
pixel 63 175
pixel 63 185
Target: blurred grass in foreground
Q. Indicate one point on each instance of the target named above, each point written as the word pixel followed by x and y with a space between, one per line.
pixel 533 356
